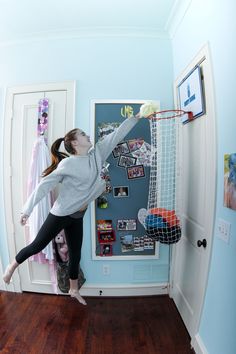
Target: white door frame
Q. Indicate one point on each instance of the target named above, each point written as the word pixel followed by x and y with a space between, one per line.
pixel 2 284
pixel 203 54
pixel 68 86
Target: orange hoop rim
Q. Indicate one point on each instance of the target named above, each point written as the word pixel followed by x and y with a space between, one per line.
pixel 174 113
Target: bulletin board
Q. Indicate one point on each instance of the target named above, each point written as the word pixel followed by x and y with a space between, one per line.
pixel 116 232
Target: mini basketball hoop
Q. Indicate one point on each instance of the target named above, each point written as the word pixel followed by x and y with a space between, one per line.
pixel 169 114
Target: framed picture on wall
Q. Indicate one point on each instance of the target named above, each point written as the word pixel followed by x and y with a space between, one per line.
pixel 230 181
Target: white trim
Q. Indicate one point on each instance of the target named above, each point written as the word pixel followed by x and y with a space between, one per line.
pixel 68 86
pixel 52 86
pixel 118 100
pixel 2 284
pixel 87 32
pixel 177 14
pixel 93 226
pixel 124 289
pixel 198 345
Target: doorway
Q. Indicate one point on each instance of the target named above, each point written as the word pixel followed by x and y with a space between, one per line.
pixel 191 257
pixel 21 119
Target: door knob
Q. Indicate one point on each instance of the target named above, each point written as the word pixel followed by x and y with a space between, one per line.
pixel 202 243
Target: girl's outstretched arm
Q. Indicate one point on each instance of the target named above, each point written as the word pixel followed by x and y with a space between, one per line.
pixel 105 146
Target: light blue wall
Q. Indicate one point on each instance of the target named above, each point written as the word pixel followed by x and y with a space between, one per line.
pixel 214 21
pixel 121 68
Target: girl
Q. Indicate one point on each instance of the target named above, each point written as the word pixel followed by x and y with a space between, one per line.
pixel 80 183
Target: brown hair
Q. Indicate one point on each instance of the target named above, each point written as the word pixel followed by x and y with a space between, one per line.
pixel 57 155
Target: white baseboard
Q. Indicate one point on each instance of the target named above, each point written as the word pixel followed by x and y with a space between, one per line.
pixel 198 345
pixel 124 289
pixel 91 289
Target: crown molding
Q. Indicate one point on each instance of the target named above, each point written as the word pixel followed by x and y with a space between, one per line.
pixel 87 32
pixel 177 14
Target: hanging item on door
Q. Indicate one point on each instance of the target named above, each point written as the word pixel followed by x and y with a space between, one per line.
pixel 43 117
pixel 61 247
pixel 63 280
pixel 160 218
pixel 40 160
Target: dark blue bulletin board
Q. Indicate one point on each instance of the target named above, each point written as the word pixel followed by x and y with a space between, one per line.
pixel 116 229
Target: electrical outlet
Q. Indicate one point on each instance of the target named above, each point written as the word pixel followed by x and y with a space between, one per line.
pixel 106 269
pixel 223 230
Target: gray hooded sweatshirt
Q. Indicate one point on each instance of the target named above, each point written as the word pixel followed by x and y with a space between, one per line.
pixel 79 176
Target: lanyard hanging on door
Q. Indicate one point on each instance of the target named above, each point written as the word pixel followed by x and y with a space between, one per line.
pixel 43 117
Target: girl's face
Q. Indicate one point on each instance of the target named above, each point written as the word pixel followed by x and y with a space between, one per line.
pixel 83 140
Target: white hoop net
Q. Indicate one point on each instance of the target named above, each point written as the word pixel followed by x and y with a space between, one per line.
pixel 161 220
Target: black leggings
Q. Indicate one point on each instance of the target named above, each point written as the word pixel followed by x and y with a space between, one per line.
pixel 73 229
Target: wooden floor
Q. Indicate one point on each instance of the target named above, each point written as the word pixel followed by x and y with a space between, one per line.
pixel 35 323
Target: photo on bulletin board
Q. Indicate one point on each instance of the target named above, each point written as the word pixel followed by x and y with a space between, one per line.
pixel 105 250
pixel 191 97
pixel 143 155
pixel 135 172
pixel 102 202
pixel 121 148
pixel 143 242
pixel 114 216
pixel 104 224
pixel 106 128
pixel 126 224
pixel 107 236
pixel 127 243
pixel 126 161
pixel 135 144
pixel 120 191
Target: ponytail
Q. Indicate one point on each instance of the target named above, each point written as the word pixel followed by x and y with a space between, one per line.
pixel 56 156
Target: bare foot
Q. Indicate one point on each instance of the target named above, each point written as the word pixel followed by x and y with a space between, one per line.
pixel 76 295
pixel 8 274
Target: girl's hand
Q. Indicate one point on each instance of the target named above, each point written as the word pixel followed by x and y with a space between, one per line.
pixel 23 219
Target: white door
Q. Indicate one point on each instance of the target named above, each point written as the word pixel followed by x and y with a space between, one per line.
pixel 190 263
pixel 32 275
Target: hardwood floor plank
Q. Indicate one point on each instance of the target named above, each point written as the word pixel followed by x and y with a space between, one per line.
pixel 39 324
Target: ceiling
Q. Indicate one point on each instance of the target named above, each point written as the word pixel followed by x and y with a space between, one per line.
pixel 20 19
